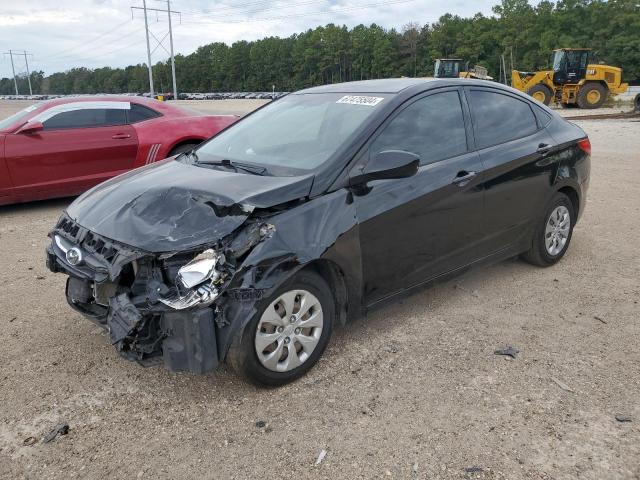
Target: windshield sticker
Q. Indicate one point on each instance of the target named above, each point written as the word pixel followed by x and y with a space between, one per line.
pixel 360 100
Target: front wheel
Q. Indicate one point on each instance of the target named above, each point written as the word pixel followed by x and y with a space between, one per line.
pixel 553 234
pixel 541 92
pixel 288 334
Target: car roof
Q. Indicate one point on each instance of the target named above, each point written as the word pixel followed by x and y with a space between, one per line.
pixel 386 85
pixel 398 85
pixel 162 107
pixel 99 98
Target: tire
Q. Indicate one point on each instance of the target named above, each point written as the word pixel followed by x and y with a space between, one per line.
pixel 263 368
pixel 541 92
pixel 636 103
pixel 540 254
pixel 592 95
pixel 185 147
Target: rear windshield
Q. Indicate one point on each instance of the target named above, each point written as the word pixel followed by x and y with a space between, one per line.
pixel 295 134
pixel 16 117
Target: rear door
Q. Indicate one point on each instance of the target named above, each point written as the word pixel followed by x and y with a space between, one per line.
pixel 81 145
pixel 417 228
pixel 517 154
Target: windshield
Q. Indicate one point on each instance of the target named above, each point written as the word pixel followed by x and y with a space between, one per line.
pixel 22 114
pixel 295 134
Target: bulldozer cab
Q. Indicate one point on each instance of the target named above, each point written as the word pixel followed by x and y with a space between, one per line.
pixel 570 65
pixel 447 68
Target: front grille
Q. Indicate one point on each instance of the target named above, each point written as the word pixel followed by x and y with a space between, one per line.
pixel 102 248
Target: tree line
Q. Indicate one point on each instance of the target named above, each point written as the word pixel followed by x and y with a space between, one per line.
pixel 524 34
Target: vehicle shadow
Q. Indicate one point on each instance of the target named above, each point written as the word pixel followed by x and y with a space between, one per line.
pixel 35 206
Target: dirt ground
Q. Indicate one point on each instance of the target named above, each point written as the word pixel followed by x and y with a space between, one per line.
pixel 412 391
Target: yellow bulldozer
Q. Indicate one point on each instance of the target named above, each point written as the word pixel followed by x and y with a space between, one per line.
pixel 450 68
pixel 573 80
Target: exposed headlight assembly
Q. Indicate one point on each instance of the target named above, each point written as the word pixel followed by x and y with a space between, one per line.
pixel 198 277
pixel 199 270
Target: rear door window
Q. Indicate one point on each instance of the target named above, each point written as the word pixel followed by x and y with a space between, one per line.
pixel 86 118
pixel 431 127
pixel 499 118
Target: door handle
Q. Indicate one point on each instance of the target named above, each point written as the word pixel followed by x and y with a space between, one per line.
pixel 121 136
pixel 544 148
pixel 463 177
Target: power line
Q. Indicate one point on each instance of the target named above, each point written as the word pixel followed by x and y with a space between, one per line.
pixel 85 44
pixel 240 7
pixel 304 14
pixel 90 55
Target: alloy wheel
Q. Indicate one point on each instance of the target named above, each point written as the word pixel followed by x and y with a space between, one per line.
pixel 557 230
pixel 289 330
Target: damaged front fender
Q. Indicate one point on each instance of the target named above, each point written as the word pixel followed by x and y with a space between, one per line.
pixel 323 229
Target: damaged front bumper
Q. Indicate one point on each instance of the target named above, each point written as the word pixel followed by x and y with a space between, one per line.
pixel 154 306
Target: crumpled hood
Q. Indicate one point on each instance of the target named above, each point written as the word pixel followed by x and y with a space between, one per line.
pixel 173 206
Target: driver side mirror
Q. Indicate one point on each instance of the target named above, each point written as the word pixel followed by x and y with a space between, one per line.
pixel 31 127
pixel 388 164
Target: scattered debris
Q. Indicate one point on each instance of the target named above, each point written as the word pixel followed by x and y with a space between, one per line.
pixel 12 319
pixel 392 348
pixel 509 351
pixel 323 453
pixel 473 293
pixel 473 469
pixel 414 470
pixel 261 424
pixel 562 385
pixel 61 429
pixel 600 319
pixel 39 277
pixel 27 442
pixel 623 418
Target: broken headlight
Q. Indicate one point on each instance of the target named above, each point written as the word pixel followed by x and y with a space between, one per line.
pixel 200 269
pixel 196 280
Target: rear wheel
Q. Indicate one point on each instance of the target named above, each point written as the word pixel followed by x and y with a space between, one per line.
pixel 185 147
pixel 288 334
pixel 540 92
pixel 553 234
pixel 592 95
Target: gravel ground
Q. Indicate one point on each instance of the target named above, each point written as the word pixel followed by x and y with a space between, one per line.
pixel 412 391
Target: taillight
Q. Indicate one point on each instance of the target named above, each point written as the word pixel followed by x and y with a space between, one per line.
pixel 585 146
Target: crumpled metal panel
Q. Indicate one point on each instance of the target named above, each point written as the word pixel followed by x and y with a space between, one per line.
pixel 171 205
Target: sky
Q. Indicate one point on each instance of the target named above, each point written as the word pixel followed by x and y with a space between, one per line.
pixel 62 34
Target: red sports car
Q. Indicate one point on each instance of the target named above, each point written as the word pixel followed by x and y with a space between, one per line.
pixel 62 147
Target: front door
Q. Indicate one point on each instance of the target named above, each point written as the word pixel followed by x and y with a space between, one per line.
pixel 76 150
pixel 417 228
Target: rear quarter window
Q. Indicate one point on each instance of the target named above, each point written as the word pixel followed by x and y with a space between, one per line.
pixel 140 113
pixel 499 118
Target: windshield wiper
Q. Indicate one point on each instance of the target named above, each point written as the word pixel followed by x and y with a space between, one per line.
pixel 247 167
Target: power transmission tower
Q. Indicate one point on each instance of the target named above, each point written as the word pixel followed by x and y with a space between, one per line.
pixel 28 73
pixel 159 42
pixel 13 69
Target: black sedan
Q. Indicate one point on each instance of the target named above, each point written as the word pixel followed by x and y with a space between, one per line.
pixel 311 211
